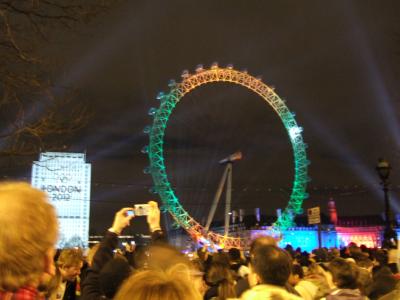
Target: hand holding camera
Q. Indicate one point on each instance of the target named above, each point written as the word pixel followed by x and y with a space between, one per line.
pixel 153 216
pixel 150 210
pixel 121 220
pixel 139 210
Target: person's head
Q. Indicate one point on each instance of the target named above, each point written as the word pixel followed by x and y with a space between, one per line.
pixel 365 264
pixel 112 275
pixel 262 241
pixel 381 257
pixel 364 280
pixel 221 276
pixel 344 273
pixel 70 263
pixel 334 252
pixel 383 282
pixel 304 259
pixel 28 233
pixel 140 258
pixel 271 264
pixel 90 255
pixel 221 258
pixel 164 256
pixel 234 255
pixel 197 275
pixel 321 279
pixel 296 275
pixel 159 285
pixel 202 253
pixel 320 254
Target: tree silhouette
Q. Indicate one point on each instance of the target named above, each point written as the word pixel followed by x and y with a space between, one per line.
pixel 34 114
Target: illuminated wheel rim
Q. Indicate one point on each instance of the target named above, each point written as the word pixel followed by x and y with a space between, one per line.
pixel 156 133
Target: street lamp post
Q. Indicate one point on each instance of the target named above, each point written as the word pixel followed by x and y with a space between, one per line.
pixel 383 169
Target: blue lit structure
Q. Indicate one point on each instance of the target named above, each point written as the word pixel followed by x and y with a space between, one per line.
pixel 304 237
pixel 307 237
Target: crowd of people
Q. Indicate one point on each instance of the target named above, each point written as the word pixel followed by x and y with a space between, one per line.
pixel 31 268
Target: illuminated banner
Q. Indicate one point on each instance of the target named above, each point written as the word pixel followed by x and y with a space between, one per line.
pixel 65 177
pixel 314 215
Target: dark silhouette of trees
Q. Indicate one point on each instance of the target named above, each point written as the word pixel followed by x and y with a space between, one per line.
pixel 35 114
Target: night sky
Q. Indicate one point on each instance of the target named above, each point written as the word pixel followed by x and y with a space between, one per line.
pixel 336 63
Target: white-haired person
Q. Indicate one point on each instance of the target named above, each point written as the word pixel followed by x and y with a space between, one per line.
pixel 174 283
pixel 28 233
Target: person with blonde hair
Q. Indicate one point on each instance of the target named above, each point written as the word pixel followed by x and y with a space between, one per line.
pixel 28 233
pixel 172 284
pixel 90 255
pixel 65 284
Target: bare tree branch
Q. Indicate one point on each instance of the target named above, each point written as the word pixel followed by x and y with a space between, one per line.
pixel 32 116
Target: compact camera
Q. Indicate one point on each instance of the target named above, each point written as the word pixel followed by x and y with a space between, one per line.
pixel 139 210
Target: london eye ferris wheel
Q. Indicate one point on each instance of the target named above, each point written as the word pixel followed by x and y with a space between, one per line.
pixel 157 169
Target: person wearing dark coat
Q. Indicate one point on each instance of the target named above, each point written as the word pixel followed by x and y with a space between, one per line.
pixel 107 273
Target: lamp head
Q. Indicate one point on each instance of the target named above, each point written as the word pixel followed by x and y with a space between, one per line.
pixel 231 158
pixel 383 168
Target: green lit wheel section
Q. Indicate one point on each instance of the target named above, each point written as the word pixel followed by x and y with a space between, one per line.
pixel 156 132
